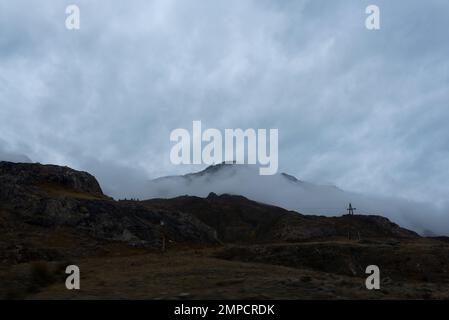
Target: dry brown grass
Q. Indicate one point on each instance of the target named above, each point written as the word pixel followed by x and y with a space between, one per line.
pixel 195 274
pixel 61 191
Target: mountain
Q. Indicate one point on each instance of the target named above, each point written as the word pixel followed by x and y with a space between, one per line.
pixel 216 247
pixel 287 191
pixel 39 201
pixel 240 220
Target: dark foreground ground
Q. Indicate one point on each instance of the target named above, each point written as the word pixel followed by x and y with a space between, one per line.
pixel 199 274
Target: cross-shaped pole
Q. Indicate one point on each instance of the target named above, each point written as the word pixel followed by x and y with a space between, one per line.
pixel 351 209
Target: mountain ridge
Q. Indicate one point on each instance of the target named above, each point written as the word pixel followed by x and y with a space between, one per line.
pixel 287 191
pixel 52 216
pixel 238 219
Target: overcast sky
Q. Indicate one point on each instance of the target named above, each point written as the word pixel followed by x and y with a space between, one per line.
pixel 365 110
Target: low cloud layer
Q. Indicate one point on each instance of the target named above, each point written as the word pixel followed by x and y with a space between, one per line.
pixel 6 154
pixel 364 110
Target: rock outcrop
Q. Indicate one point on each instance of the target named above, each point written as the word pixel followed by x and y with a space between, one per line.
pixel 35 175
pixel 50 196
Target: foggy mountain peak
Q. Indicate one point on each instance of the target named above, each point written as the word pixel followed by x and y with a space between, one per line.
pixel 290 177
pixel 228 169
pixel 287 191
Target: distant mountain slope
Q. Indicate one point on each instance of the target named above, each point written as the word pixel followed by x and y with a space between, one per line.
pixel 238 219
pixel 287 191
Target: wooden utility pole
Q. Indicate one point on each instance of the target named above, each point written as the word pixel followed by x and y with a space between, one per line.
pixel 351 209
pixel 163 247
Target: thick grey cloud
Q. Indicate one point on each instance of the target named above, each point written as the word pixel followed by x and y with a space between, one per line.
pixel 364 110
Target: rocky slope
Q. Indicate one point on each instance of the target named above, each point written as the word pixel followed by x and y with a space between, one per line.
pixel 240 220
pixel 50 197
